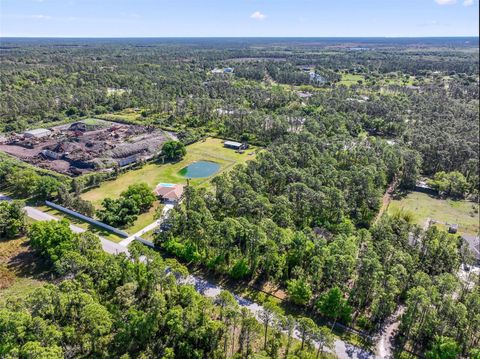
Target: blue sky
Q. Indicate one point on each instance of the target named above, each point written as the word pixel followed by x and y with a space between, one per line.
pixel 161 18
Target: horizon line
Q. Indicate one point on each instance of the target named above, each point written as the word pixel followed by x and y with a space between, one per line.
pixel 239 37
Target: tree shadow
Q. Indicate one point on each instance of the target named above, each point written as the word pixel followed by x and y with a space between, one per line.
pixel 28 263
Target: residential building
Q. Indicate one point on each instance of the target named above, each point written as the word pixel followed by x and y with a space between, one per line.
pixel 169 192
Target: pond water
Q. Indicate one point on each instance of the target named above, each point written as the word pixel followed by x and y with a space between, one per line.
pixel 200 169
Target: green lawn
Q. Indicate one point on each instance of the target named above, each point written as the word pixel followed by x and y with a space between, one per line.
pixel 211 149
pixel 145 219
pixel 350 79
pixel 153 173
pixel 423 206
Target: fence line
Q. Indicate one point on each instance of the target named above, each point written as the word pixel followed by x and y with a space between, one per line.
pixel 87 219
pixel 144 241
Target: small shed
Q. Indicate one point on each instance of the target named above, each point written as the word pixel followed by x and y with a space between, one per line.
pixel 169 192
pixel 37 133
pixel 453 228
pixel 235 145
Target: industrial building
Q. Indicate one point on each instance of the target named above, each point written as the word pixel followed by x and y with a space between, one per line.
pixel 37 133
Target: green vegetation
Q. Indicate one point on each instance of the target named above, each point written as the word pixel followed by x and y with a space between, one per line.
pixel 21 270
pixel 174 150
pixel 136 199
pixel 453 184
pixel 154 173
pixel 12 219
pixel 422 207
pixel 339 126
pixel 349 79
pixel 104 307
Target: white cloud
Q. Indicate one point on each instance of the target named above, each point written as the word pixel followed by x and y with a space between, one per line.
pixel 40 17
pixel 257 15
pixel 467 2
pixel 446 2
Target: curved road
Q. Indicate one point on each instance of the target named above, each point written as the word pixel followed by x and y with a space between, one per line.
pixel 342 349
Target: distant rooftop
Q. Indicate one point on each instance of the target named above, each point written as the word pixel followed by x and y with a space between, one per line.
pixel 232 144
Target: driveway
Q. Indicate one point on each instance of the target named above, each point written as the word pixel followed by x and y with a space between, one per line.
pixel 167 208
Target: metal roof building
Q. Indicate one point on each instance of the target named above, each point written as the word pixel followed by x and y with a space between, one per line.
pixel 234 145
pixel 37 133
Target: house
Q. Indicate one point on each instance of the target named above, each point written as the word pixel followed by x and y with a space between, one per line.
pixel 169 192
pixel 235 145
pixel 37 133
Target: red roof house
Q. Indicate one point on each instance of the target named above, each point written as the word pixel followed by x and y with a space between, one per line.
pixel 169 192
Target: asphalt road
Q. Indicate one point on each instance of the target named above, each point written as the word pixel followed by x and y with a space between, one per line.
pixel 108 246
pixel 341 349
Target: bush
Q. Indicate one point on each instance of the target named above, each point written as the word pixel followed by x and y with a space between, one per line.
pixel 174 150
pixel 240 269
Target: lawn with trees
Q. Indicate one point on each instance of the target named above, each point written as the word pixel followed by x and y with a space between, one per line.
pixel 337 127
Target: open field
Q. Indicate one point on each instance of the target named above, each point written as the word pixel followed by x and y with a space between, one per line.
pixel 21 271
pixel 350 79
pixel 423 206
pixel 145 219
pixel 153 173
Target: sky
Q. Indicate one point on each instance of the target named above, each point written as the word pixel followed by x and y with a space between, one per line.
pixel 238 18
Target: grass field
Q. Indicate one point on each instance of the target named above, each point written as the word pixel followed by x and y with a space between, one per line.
pixel 423 206
pixel 350 79
pixel 211 149
pixel 21 271
pixel 153 173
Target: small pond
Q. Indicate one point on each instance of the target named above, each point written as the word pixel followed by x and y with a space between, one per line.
pixel 200 169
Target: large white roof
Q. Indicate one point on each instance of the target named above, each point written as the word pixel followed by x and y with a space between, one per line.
pixel 232 143
pixel 37 131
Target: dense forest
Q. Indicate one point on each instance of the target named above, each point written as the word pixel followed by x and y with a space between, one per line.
pixel 338 125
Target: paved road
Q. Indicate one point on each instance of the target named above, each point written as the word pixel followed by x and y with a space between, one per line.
pixel 342 349
pixel 384 347
pixel 108 246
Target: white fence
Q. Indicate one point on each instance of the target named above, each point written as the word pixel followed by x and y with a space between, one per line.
pixel 87 219
pixel 144 241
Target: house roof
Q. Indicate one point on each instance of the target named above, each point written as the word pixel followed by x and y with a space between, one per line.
pixel 232 144
pixel 169 191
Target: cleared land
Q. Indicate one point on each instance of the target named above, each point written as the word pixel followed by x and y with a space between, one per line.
pixel 350 79
pixel 21 271
pixel 423 207
pixel 153 173
pixel 86 146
